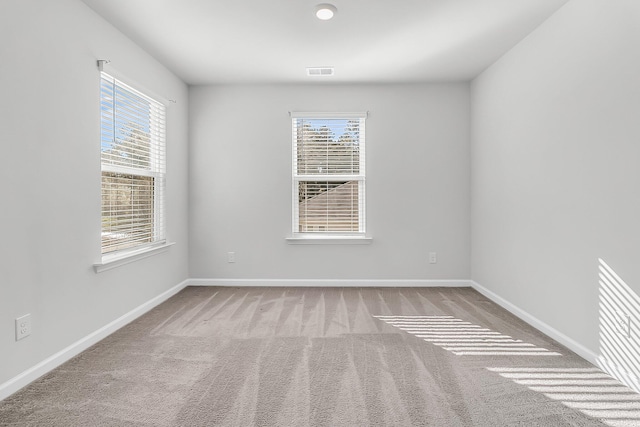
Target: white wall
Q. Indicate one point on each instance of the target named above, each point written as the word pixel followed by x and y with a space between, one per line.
pixel 50 179
pixel 555 149
pixel 417 182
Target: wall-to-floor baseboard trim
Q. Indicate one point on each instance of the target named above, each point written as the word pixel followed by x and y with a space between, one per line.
pixel 571 344
pixel 52 362
pixel 620 373
pixel 359 283
pixel 612 369
pixel 35 372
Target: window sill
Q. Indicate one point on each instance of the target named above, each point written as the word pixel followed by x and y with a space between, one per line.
pixel 329 240
pixel 113 261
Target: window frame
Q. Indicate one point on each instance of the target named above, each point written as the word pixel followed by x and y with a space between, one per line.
pixel 155 157
pixel 330 236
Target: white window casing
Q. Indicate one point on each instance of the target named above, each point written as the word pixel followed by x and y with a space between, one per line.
pixel 132 146
pixel 328 176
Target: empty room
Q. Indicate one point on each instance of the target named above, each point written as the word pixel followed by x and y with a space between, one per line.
pixel 297 213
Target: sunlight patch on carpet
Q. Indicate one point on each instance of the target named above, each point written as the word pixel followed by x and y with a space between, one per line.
pixel 588 390
pixel 463 338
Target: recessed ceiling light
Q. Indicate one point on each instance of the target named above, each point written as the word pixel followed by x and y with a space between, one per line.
pixel 325 11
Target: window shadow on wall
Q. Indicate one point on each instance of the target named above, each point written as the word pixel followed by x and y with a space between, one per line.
pixel 619 314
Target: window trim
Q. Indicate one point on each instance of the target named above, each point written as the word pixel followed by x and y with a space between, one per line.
pixel 113 260
pixel 328 237
pixel 323 239
pixel 157 171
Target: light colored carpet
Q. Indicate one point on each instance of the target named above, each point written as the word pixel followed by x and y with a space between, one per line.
pixel 325 357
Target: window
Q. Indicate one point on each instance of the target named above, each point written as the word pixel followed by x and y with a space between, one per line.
pixel 328 174
pixel 132 149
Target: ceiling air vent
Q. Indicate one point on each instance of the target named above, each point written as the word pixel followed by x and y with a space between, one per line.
pixel 320 71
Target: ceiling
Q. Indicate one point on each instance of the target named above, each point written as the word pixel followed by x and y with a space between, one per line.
pixel 368 41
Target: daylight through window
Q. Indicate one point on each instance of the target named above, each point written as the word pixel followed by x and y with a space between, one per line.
pixel 132 149
pixel 328 173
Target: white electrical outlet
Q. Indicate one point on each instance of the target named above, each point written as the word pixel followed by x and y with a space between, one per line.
pixel 433 258
pixel 23 326
pixel 623 321
pixel 231 257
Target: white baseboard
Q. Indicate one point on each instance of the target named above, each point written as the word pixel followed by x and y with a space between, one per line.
pixel 52 362
pixel 35 372
pixel 607 366
pixel 571 344
pixel 620 373
pixel 359 283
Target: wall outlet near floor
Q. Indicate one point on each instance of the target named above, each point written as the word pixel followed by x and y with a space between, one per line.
pixel 23 327
pixel 231 257
pixel 433 258
pixel 623 323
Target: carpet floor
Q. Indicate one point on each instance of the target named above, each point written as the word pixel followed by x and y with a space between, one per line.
pixel 325 357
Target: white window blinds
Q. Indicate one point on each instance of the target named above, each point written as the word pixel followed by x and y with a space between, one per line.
pixel 328 173
pixel 133 167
